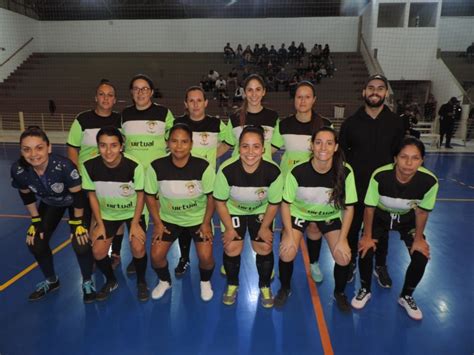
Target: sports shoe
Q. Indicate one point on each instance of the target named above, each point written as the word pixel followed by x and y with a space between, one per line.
pixel 316 273
pixel 230 295
pixel 281 297
pixel 106 290
pixel 131 268
pixel 351 273
pixel 408 302
pixel 383 277
pixel 143 293
pixel 160 290
pixel 361 298
pixel 266 297
pixel 42 289
pixel 115 260
pixel 206 291
pixel 88 290
pixel 342 302
pixel 223 273
pixel 182 266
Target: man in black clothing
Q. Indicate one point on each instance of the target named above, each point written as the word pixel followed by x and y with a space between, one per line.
pixel 369 139
pixel 448 113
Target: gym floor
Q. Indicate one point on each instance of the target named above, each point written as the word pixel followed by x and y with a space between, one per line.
pixel 180 323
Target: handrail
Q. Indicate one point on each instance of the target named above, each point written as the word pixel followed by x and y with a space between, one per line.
pixel 16 52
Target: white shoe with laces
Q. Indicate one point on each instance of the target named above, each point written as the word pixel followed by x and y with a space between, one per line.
pixel 408 302
pixel 361 298
pixel 160 290
pixel 206 291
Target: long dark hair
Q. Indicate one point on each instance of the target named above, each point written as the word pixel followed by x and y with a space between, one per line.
pixel 243 109
pixel 338 195
pixel 32 131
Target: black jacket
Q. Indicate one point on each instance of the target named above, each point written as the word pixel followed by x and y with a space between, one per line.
pixel 370 143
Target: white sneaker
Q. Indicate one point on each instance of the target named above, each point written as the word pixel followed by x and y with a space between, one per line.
pixel 361 298
pixel 206 291
pixel 160 290
pixel 410 306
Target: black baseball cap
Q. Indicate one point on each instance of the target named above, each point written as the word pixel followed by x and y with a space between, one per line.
pixel 377 77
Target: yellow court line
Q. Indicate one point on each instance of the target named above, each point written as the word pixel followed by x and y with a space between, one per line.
pixel 31 267
pixel 317 307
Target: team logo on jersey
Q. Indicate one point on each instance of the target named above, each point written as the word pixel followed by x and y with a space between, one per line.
pixel 191 186
pixel 32 188
pixel 260 192
pixel 151 126
pixel 204 138
pixel 75 174
pixel 57 187
pixel 126 190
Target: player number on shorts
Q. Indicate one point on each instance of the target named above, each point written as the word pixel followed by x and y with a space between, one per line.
pixel 235 222
pixel 299 222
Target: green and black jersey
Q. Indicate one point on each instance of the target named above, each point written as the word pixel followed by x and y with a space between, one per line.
pixel 145 131
pixel 84 129
pixel 181 191
pixel 266 118
pixel 387 194
pixel 295 137
pixel 246 193
pixel 116 188
pixel 308 192
pixel 207 134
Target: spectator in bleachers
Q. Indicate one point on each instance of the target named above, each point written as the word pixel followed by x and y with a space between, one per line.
pixel 52 107
pixel 315 53
pixel 238 96
pixel 273 54
pixel 221 90
pixel 281 79
pixel 211 78
pixel 232 77
pixel 292 84
pixel 300 51
pixel 292 51
pixel 282 54
pixel 470 53
pixel 430 108
pixel 204 83
pixel 229 53
pixel 247 54
pixel 264 53
pixel 326 51
pixel 409 122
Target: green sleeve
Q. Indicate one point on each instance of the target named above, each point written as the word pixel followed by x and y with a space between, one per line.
pixel 139 178
pixel 351 191
pixel 289 191
pixel 87 183
pixel 169 121
pixel 221 187
pixel 229 135
pixel 275 191
pixel 429 199
pixel 151 181
pixel 277 139
pixel 74 138
pixel 372 196
pixel 222 131
pixel 208 179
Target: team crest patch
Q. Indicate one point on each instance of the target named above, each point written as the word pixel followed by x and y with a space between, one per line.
pixel 126 190
pixel 75 174
pixel 260 192
pixel 57 187
pixel 151 126
pixel 203 138
pixel 191 186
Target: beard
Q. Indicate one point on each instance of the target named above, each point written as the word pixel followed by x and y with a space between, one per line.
pixel 374 104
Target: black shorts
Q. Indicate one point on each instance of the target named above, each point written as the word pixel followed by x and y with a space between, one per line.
pixel 251 223
pixel 404 224
pixel 178 231
pixel 323 226
pixel 111 227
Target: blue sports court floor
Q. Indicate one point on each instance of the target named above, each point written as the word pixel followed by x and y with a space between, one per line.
pixel 181 323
